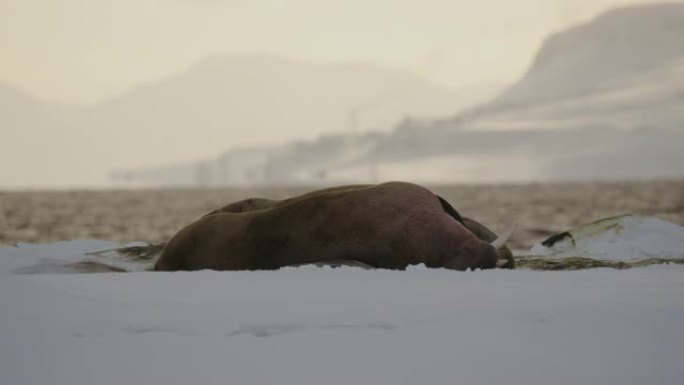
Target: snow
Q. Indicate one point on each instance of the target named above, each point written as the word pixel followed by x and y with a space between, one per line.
pixel 627 237
pixel 312 325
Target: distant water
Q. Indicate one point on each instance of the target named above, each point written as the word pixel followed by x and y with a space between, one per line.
pixel 155 215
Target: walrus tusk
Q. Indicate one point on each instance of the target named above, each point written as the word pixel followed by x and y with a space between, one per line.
pixel 501 263
pixel 501 241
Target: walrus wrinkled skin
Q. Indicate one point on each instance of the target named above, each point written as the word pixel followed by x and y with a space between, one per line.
pixel 390 225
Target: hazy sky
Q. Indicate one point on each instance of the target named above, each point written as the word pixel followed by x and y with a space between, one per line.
pixel 85 50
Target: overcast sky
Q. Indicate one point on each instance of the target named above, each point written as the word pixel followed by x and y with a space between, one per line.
pixel 85 50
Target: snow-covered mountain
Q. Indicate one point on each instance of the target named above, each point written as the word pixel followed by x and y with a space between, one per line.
pixel 603 100
pixel 624 69
pixel 614 50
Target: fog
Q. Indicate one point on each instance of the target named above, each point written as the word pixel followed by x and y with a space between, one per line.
pixel 211 92
pixel 86 50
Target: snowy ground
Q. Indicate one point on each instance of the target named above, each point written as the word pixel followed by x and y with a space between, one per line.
pixel 338 326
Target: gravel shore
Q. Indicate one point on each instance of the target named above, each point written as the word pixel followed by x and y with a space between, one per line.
pixel 155 215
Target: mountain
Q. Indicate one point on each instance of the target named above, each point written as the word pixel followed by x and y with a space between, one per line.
pixel 607 52
pixel 602 100
pixel 224 101
pixel 38 140
pixel 231 101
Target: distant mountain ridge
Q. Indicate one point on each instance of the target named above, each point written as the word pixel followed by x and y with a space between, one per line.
pixel 260 99
pixel 225 101
pixel 602 101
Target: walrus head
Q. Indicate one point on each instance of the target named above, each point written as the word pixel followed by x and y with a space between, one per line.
pixel 504 255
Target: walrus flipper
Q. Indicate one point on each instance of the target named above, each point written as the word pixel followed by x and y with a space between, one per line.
pixel 449 209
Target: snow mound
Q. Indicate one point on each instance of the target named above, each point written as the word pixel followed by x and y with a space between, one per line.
pixel 622 238
pixel 79 256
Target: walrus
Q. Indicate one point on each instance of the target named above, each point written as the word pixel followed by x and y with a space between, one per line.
pixel 390 225
pixel 506 259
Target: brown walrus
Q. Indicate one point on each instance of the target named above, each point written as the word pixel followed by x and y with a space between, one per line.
pixel 506 259
pixel 391 225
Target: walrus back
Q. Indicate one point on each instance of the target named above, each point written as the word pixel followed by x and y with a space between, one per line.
pixel 390 225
